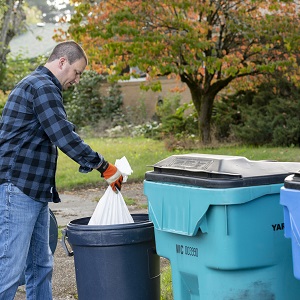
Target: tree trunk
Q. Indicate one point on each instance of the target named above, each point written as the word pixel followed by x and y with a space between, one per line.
pixel 203 104
pixel 10 22
pixel 6 20
pixel 205 118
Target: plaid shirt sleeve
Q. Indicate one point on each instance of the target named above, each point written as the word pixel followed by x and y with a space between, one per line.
pixel 51 114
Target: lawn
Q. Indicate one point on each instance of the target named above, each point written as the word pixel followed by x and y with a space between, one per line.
pixel 143 153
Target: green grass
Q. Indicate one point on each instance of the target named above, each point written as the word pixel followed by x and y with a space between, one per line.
pixel 142 154
pixel 129 201
pixel 166 284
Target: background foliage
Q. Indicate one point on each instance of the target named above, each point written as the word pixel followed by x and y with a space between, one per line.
pixel 88 104
pixel 209 45
pixel 268 116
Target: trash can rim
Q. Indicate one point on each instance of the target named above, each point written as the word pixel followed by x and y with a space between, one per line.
pixel 82 223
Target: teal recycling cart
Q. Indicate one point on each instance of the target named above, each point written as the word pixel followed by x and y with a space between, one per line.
pixel 219 221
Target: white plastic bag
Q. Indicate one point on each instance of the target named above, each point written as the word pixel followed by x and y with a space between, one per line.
pixel 124 167
pixel 111 208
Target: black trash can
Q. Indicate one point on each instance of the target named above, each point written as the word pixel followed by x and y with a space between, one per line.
pixel 114 262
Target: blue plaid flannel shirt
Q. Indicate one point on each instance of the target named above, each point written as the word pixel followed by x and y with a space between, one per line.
pixel 33 124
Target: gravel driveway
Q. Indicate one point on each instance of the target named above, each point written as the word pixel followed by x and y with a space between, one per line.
pixel 74 205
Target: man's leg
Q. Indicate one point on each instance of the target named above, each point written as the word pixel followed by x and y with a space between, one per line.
pixel 39 263
pixel 17 219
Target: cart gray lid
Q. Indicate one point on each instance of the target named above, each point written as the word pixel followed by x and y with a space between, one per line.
pixel 220 171
pixel 293 181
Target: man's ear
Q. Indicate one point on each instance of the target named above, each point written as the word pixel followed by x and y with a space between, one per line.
pixel 61 62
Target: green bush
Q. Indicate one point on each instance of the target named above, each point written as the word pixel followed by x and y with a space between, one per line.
pixel 168 105
pixel 176 120
pixel 112 104
pixel 285 120
pixel 136 114
pixel 86 105
pixel 16 69
pixel 227 112
pixel 256 129
pixel 83 102
pixel 3 99
pixel 171 120
pixel 268 117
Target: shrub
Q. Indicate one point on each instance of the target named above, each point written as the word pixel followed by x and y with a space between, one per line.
pixel 16 69
pixel 168 105
pixel 111 112
pixel 227 112
pixel 136 114
pixel 83 102
pixel 3 99
pixel 85 105
pixel 171 121
pixel 176 119
pixel 269 116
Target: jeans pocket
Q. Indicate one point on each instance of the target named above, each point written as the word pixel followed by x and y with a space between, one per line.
pixel 14 189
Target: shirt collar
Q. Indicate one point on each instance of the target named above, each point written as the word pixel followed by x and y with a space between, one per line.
pixel 46 71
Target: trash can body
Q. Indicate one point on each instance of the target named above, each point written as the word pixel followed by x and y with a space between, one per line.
pixel 290 200
pixel 115 262
pixel 222 234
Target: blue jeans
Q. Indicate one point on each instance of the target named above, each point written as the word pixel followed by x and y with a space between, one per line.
pixel 24 244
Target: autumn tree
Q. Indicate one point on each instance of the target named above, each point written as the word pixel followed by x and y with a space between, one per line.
pixel 208 44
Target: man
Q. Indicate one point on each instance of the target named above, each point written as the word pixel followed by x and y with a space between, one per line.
pixel 33 125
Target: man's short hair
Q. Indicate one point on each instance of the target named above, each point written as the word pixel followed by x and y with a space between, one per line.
pixel 69 49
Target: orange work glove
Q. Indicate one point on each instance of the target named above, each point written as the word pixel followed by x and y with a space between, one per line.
pixel 112 175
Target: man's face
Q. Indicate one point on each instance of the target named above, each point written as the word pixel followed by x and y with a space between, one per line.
pixel 71 73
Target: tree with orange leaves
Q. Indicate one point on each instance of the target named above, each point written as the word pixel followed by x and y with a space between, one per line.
pixel 208 44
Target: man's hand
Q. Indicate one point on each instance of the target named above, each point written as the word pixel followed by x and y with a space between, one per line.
pixel 112 175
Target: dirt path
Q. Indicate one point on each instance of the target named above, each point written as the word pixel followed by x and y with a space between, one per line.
pixel 74 205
